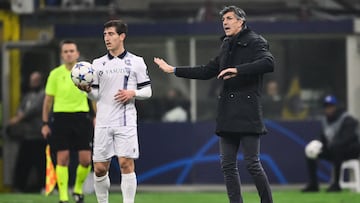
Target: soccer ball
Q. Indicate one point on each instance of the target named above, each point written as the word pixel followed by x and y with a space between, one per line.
pixel 82 73
pixel 313 149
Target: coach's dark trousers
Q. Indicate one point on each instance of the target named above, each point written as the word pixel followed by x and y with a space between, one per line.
pixel 229 147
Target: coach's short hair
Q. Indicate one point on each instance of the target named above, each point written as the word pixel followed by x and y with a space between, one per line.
pixel 240 14
pixel 120 26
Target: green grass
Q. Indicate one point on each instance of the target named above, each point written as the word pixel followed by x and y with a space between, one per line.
pixel 288 196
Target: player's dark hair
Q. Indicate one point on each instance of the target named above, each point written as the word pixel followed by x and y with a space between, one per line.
pixel 240 14
pixel 120 26
pixel 66 41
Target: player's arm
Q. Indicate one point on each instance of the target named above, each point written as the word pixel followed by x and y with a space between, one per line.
pixel 93 92
pixel 48 102
pixel 143 93
pixel 93 89
pixel 143 88
pixel 124 96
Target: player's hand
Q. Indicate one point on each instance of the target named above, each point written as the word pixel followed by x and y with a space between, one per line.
pixel 45 131
pixel 227 73
pixel 163 65
pixel 124 96
pixel 86 88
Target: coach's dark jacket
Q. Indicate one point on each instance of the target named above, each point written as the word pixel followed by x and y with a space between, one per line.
pixel 239 108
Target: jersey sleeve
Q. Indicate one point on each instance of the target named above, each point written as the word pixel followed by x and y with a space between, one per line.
pixel 94 94
pixel 95 66
pixel 50 88
pixel 142 75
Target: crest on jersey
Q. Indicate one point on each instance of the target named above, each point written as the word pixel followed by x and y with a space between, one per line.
pixel 128 62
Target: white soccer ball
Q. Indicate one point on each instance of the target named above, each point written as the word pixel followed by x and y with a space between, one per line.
pixel 82 73
pixel 313 149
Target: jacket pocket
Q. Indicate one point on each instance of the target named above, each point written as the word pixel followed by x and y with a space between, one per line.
pixel 239 106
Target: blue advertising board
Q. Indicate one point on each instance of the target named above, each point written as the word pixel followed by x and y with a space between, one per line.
pixel 187 153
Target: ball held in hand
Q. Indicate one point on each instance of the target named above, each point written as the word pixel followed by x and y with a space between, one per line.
pixel 82 73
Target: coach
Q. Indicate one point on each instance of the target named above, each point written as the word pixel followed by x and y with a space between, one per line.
pixel 243 59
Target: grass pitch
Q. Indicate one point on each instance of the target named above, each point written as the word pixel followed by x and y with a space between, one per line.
pixel 287 196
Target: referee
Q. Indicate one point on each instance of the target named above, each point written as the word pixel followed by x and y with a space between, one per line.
pixel 71 127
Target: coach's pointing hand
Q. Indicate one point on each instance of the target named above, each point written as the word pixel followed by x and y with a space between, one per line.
pixel 163 65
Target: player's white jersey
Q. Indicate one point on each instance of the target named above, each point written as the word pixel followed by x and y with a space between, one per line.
pixel 126 71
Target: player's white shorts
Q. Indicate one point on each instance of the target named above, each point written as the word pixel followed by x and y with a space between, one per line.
pixel 115 141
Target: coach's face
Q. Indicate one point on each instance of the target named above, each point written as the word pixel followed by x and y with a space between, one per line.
pixel 69 53
pixel 231 24
pixel 113 41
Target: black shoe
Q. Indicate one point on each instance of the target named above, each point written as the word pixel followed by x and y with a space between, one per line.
pixel 334 188
pixel 79 198
pixel 63 202
pixel 310 188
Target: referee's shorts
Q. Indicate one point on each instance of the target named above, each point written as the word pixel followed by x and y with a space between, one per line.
pixel 71 131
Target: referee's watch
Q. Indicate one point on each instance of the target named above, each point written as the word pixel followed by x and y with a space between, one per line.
pixel 45 123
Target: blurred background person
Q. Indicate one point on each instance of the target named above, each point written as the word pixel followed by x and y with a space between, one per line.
pixel 176 109
pixel 340 142
pixel 272 100
pixel 25 127
pixel 208 12
pixel 294 107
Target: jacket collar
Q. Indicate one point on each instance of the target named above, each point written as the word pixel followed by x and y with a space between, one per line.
pixel 244 30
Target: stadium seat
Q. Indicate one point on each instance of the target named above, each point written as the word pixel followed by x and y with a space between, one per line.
pixel 353 181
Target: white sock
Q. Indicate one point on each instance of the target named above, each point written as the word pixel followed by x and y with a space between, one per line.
pixel 128 187
pixel 102 185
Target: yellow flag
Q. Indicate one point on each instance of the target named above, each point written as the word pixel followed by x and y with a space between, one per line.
pixel 50 173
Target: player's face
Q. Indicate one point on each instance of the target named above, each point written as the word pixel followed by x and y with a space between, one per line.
pixel 231 24
pixel 69 53
pixel 113 41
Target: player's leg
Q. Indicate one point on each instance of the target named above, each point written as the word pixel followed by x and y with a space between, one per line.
pixel 128 179
pixel 102 181
pixel 127 149
pixel 251 151
pixel 229 146
pixel 102 153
